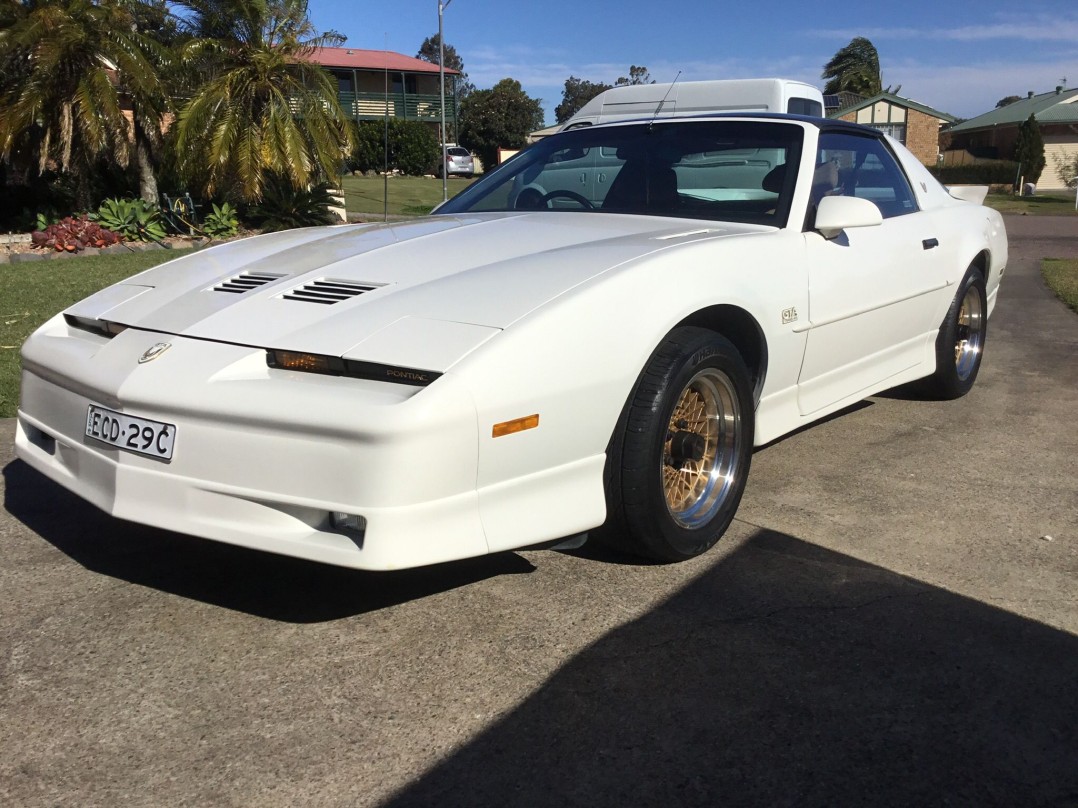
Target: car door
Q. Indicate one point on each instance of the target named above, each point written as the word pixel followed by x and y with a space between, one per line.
pixel 873 291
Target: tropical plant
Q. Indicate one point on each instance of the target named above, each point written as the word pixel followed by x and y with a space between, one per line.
pixel 855 68
pixel 66 64
pixel 73 234
pixel 500 117
pixel 264 108
pixel 1029 149
pixel 284 206
pixel 43 218
pixel 132 219
pixel 222 222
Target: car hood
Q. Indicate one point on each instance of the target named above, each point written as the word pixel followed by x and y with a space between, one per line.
pixel 474 275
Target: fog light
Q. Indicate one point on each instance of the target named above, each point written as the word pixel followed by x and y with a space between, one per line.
pixel 351 522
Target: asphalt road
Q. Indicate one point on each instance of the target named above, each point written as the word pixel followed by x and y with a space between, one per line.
pixel 887 623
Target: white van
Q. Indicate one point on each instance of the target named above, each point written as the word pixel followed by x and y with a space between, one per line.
pixel 699 98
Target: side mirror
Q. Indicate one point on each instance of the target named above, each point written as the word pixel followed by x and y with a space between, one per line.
pixel 835 213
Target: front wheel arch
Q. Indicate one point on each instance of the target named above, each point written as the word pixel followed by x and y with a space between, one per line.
pixel 744 331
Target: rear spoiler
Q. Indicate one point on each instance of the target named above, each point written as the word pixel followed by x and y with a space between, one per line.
pixel 969 193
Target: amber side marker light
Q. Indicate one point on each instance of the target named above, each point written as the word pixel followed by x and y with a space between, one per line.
pixel 336 366
pixel 311 363
pixel 516 425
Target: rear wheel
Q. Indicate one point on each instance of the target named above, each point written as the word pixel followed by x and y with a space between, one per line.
pixel 680 456
pixel 960 344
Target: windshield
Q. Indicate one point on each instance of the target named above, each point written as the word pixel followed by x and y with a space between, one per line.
pixel 701 169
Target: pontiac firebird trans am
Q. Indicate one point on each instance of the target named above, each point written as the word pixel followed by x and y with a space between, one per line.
pixel 593 337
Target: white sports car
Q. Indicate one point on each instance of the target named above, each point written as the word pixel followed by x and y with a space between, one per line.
pixel 593 337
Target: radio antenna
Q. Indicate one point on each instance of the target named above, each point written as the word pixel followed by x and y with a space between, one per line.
pixel 655 114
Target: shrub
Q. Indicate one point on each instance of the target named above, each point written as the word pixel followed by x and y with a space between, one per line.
pixel 1067 168
pixel 284 206
pixel 1029 150
pixel 996 172
pixel 222 222
pixel 133 219
pixel 71 235
pixel 413 147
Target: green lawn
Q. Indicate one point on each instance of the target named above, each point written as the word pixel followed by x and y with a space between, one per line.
pixel 408 196
pixel 32 293
pixel 1061 275
pixel 1040 205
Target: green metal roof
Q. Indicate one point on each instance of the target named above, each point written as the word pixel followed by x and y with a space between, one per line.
pixel 1053 107
pixel 894 99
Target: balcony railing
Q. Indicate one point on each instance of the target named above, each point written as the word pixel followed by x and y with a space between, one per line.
pixel 413 107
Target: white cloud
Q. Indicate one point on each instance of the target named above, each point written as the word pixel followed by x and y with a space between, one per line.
pixel 1041 29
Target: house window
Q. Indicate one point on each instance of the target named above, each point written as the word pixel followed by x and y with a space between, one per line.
pixel 344 82
pixel 405 84
pixel 895 130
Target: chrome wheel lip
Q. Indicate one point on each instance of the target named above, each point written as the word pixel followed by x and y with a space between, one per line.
pixel 969 333
pixel 695 493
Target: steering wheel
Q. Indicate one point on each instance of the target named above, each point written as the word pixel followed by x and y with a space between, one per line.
pixel 573 195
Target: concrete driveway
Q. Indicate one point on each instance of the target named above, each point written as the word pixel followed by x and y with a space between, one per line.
pixel 892 620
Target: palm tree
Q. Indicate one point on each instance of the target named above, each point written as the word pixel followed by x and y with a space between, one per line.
pixel 69 67
pixel 856 69
pixel 262 110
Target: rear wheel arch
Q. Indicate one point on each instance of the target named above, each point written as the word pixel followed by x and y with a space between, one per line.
pixel 742 329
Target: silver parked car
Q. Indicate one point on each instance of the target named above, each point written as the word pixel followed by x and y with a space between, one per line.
pixel 458 160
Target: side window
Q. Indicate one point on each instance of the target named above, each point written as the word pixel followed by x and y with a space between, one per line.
pixel 861 166
pixel 804 106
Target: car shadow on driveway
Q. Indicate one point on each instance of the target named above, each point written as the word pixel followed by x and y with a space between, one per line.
pixel 788 674
pixel 263 584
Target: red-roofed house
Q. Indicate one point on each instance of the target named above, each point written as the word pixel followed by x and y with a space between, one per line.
pixel 372 83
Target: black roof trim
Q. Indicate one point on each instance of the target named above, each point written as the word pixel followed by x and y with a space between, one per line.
pixel 826 124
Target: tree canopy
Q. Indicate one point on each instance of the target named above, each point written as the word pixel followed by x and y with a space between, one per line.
pixel 855 68
pixel 1007 100
pixel 428 52
pixel 500 117
pixel 576 94
pixel 637 75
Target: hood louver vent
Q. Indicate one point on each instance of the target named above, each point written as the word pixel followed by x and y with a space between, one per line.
pixel 245 282
pixel 328 291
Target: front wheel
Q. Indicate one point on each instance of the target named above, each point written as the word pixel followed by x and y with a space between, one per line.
pixel 680 456
pixel 960 343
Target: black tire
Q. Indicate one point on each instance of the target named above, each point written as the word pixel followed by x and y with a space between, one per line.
pixel 680 455
pixel 960 344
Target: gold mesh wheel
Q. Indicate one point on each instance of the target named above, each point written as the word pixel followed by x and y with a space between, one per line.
pixel 699 463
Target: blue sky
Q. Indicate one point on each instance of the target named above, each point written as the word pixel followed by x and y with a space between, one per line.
pixel 959 57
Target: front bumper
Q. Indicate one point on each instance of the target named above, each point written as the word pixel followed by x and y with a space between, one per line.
pixel 262 456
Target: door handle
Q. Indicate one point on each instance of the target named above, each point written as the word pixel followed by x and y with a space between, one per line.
pixel 929 243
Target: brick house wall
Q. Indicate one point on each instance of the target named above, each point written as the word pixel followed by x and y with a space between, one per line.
pixel 923 136
pixel 920 130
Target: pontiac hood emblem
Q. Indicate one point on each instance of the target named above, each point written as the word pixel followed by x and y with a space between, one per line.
pixel 153 352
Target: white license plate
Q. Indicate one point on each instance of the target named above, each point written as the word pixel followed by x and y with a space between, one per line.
pixel 128 432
